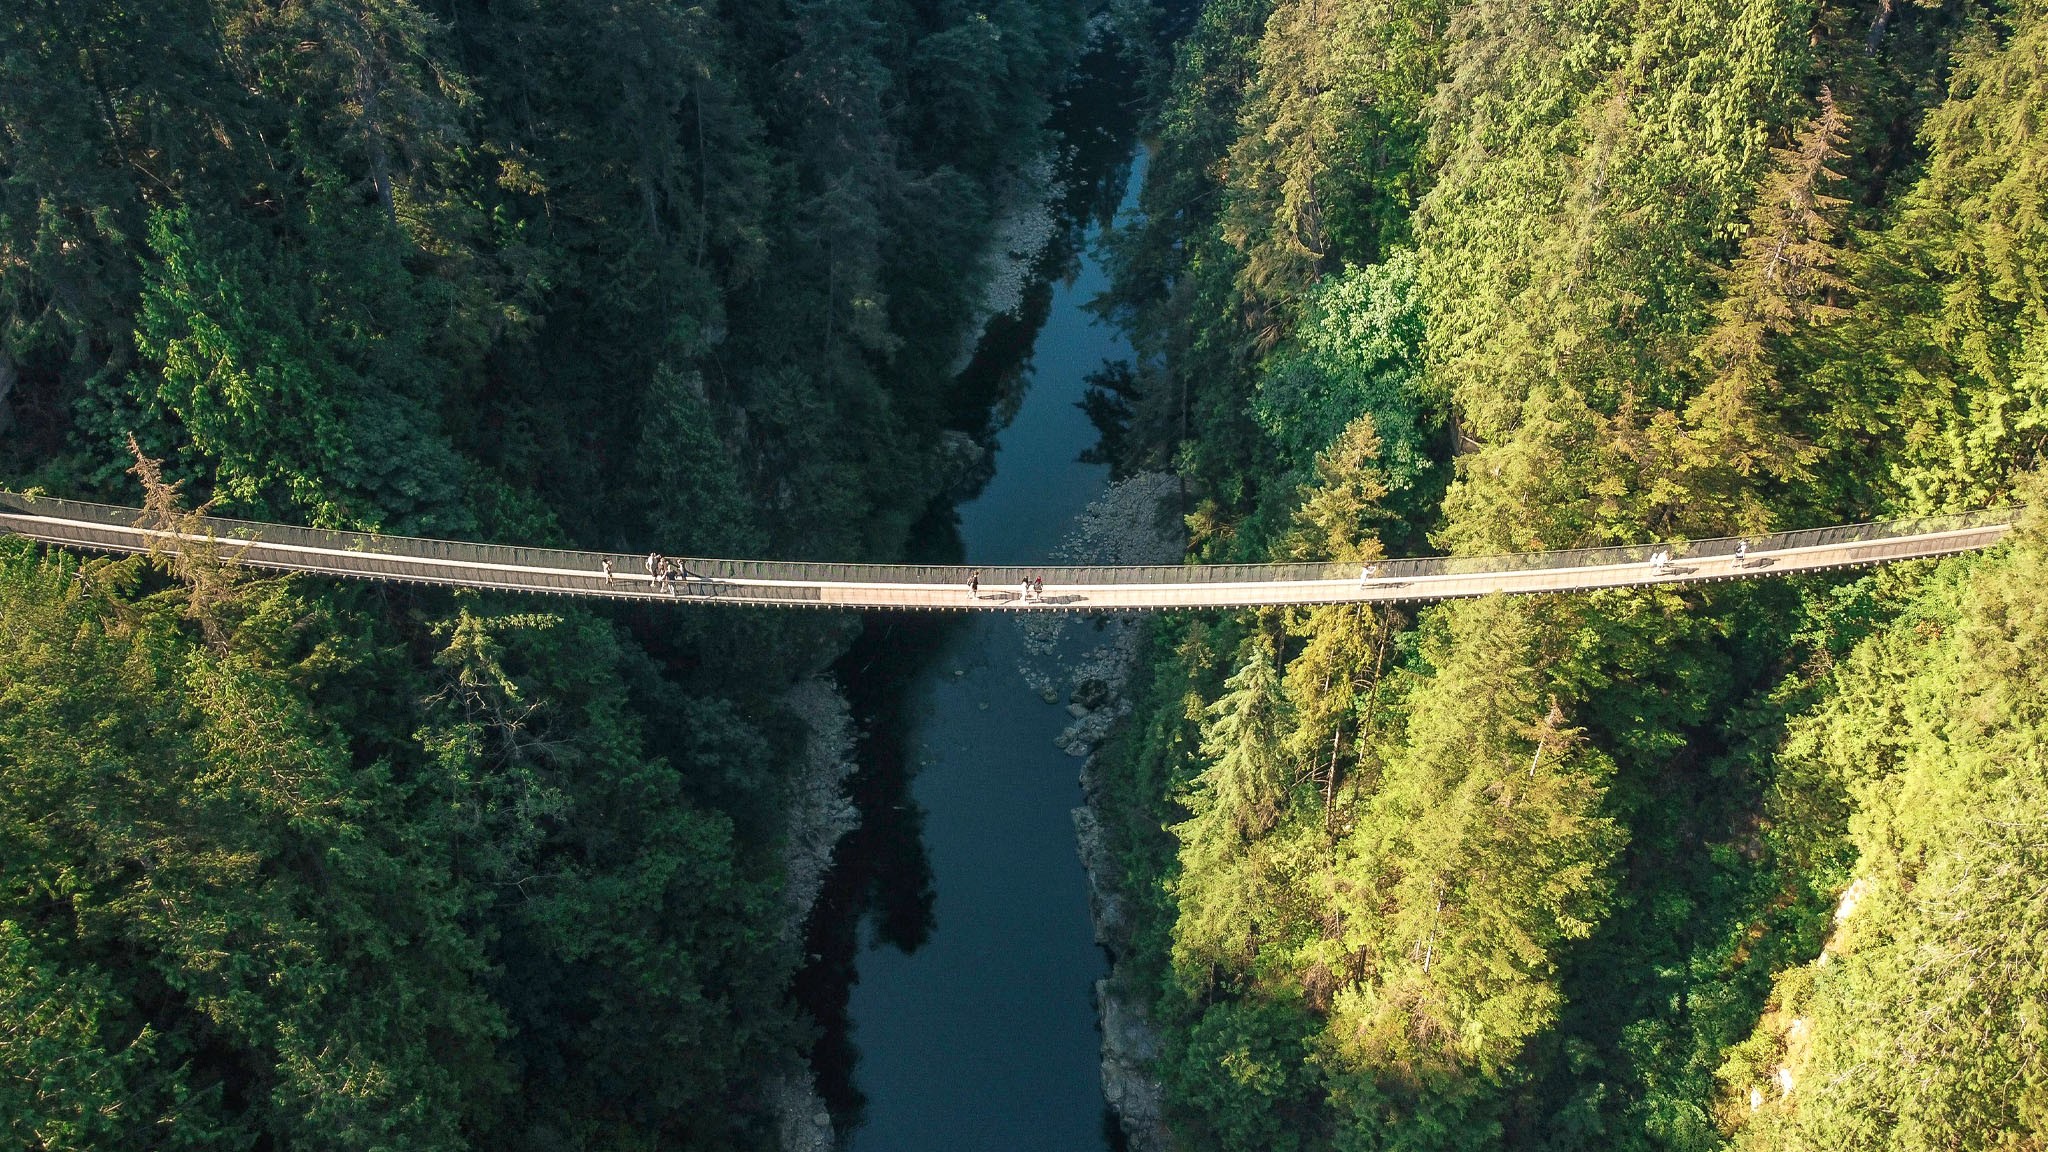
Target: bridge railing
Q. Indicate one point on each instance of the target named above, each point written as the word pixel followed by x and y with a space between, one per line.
pixel 286 546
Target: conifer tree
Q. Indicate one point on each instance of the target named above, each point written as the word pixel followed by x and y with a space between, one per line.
pixel 1920 1024
pixel 1734 435
pixel 1481 852
pixel 1228 887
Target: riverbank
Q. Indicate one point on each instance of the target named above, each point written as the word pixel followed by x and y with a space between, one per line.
pixel 950 962
pixel 1133 522
pixel 954 960
pixel 820 815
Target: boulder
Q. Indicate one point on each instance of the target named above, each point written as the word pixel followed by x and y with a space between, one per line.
pixel 1091 693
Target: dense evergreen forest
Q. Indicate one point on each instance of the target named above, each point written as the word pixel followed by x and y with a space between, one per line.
pixel 290 864
pixel 1750 866
pixel 293 864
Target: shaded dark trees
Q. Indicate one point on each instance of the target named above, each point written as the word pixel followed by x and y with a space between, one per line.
pixel 329 867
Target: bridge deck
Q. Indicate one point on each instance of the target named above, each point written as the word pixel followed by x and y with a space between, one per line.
pixel 791 584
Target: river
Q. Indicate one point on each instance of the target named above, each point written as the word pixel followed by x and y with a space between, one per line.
pixel 953 955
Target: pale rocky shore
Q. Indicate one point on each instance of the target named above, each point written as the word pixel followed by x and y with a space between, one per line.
pixel 820 813
pixel 1133 522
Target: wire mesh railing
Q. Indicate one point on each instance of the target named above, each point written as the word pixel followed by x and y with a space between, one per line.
pixel 376 555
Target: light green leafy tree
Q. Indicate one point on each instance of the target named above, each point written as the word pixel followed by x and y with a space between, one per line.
pixel 1357 352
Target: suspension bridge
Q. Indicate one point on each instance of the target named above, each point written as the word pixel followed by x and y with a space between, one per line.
pixel 1067 588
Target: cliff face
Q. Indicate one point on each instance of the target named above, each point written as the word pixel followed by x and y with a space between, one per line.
pixel 819 810
pixel 819 815
pixel 1130 1041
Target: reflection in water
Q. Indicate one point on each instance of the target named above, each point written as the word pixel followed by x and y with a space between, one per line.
pixel 951 954
pixel 880 875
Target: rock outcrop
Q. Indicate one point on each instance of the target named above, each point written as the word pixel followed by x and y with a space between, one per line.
pixel 819 814
pixel 1130 524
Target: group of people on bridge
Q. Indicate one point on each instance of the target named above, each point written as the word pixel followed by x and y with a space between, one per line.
pixel 1660 560
pixel 662 572
pixel 1031 588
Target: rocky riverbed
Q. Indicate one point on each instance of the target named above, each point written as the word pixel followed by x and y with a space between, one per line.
pixel 1132 523
pixel 819 815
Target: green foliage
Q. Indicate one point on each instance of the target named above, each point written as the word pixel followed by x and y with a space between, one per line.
pixel 1524 874
pixel 705 512
pixel 1482 850
pixel 304 387
pixel 284 864
pixel 1357 352
pixel 1242 1073
pixel 1327 161
pixel 1226 882
pixel 1919 1026
pixel 269 928
pixel 1336 518
pixel 184 826
pixel 68 1086
pixel 1941 362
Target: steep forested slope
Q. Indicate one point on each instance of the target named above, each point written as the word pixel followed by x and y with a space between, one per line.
pixel 1555 873
pixel 1919 1022
pixel 291 865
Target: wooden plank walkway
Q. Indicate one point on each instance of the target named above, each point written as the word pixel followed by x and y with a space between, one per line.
pixel 794 584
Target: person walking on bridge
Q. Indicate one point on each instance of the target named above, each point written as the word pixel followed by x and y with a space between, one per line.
pixel 1026 595
pixel 607 562
pixel 1366 574
pixel 654 567
pixel 1038 587
pixel 974 585
pixel 1741 553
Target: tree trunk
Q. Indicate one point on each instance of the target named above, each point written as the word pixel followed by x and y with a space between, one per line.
pixel 8 377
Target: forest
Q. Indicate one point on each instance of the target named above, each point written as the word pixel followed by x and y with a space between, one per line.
pixel 298 864
pixel 1741 866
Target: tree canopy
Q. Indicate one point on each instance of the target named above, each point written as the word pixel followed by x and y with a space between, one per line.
pixel 1571 872
pixel 289 864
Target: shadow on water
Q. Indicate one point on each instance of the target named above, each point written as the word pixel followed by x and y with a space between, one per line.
pixel 1095 120
pixel 881 890
pixel 880 870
